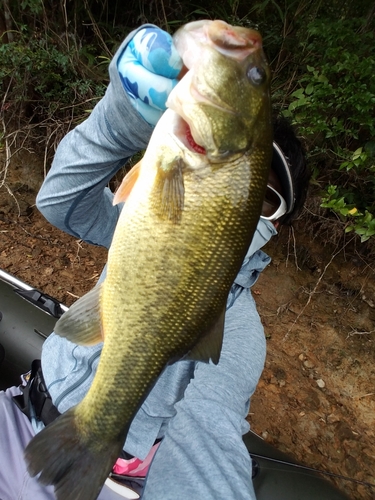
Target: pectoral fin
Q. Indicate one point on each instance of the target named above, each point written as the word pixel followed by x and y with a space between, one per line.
pixel 169 190
pixel 127 184
pixel 81 324
pixel 209 346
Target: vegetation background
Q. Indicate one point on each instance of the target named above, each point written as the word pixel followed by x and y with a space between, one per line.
pixel 54 57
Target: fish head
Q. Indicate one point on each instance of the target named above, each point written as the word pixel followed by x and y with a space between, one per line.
pixel 224 97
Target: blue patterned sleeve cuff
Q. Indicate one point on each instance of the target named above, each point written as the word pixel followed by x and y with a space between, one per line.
pixel 148 69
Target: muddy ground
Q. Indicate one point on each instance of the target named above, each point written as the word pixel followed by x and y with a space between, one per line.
pixel 316 398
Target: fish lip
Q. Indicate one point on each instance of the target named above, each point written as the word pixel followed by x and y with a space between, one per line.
pixel 232 41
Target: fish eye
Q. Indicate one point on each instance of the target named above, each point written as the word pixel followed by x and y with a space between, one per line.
pixel 256 74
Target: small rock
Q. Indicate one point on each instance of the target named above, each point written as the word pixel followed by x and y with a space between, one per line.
pixel 308 364
pixel 301 357
pixel 48 271
pixel 321 383
pixel 265 435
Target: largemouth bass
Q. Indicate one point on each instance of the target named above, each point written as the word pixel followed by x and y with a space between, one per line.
pixel 191 210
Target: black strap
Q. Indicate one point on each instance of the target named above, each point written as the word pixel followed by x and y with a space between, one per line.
pixel 2 351
pixel 35 392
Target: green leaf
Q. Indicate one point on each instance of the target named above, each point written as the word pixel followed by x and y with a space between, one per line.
pixel 299 93
pixel 322 79
pixel 357 153
pixel 309 89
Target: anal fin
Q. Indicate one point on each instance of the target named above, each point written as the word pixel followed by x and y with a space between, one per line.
pixel 209 345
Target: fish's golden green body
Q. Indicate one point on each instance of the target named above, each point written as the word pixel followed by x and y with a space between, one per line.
pixel 179 243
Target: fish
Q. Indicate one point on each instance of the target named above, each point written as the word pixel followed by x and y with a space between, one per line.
pixel 192 206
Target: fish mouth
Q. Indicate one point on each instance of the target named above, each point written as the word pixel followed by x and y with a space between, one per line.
pixel 182 131
pixel 191 142
pixel 185 100
pixel 185 130
pixel 192 127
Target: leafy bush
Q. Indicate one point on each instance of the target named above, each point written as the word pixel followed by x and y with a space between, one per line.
pixel 356 204
pixel 43 77
pixel 334 109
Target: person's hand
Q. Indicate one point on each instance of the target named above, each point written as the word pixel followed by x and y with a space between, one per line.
pixel 148 68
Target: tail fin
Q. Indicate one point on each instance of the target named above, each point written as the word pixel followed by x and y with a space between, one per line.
pixel 76 467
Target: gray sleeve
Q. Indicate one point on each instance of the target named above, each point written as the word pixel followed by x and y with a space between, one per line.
pixel 202 454
pixel 74 196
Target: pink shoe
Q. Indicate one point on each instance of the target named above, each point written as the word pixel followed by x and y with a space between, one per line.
pixel 134 466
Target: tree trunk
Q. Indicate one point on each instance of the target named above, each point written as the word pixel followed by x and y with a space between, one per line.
pixel 6 24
